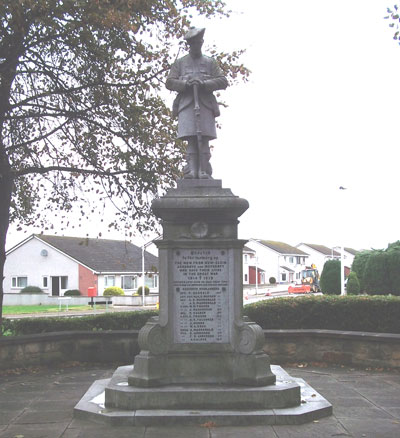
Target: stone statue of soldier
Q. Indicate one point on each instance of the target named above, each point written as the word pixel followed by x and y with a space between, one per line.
pixel 195 77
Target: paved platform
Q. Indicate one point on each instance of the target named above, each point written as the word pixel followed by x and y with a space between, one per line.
pixel 39 403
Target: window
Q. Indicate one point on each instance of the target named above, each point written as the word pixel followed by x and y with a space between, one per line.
pixel 298 275
pixel 150 280
pixel 45 282
pixel 19 282
pixel 283 277
pixel 245 277
pixel 129 282
pixel 291 259
pixel 64 282
pixel 109 280
pixel 245 258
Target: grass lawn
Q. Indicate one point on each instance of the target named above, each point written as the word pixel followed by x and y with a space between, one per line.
pixel 15 310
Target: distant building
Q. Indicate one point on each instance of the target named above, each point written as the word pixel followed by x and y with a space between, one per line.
pixel 58 263
pixel 274 259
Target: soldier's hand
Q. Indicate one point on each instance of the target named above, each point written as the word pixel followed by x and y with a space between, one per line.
pixel 194 81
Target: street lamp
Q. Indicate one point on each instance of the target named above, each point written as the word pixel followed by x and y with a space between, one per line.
pixel 144 246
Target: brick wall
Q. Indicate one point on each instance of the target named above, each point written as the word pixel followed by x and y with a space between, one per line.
pixel 86 279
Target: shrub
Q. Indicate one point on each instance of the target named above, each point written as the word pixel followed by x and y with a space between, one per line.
pixel 272 280
pixel 393 265
pixel 31 290
pixel 358 266
pixel 113 291
pixel 376 276
pixel 357 313
pixel 330 278
pixel 146 290
pixel 353 285
pixel 72 293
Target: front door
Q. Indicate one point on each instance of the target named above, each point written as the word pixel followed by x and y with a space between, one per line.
pixel 55 286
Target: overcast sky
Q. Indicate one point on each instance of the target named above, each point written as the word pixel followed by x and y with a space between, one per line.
pixel 321 110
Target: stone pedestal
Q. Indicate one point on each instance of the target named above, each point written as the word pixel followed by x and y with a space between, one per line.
pixel 200 335
pixel 200 360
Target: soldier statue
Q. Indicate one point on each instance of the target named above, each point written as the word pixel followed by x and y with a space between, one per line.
pixel 195 77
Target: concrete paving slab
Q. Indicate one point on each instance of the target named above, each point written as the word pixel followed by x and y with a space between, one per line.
pixel 30 416
pixel 326 427
pixel 361 412
pixel 177 432
pixel 243 432
pixel 54 430
pixel 372 428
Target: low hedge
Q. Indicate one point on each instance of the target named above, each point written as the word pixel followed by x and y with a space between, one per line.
pixel 105 321
pixel 72 293
pixel 31 290
pixel 355 313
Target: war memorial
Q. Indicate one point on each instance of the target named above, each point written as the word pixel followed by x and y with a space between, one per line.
pixel 200 360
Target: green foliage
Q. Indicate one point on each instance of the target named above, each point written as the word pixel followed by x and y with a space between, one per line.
pixel 81 111
pixel 376 276
pixel 105 321
pixel 356 313
pixel 330 278
pixel 146 290
pixel 393 267
pixel 272 280
pixel 394 18
pixel 113 291
pixel 358 266
pixel 72 293
pixel 31 290
pixel 353 285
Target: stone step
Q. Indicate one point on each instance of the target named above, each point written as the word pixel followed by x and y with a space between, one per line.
pixel 312 406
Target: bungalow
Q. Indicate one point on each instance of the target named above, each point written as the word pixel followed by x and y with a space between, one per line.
pixel 58 263
pixel 319 254
pixel 275 259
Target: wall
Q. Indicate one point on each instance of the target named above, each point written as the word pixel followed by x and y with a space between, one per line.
pixel 86 279
pixel 44 299
pixel 283 346
pixel 27 261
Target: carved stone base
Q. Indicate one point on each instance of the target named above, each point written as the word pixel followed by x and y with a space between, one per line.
pixel 203 368
pixel 246 405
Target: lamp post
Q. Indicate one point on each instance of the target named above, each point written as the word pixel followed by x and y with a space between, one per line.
pixel 144 246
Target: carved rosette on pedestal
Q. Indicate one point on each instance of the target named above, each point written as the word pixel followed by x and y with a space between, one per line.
pixel 200 336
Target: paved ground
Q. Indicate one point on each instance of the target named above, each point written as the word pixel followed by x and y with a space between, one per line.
pixel 39 404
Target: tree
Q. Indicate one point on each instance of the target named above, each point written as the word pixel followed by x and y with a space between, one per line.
pixel 330 278
pixel 394 16
pixel 358 266
pixel 393 267
pixel 80 106
pixel 376 277
pixel 353 285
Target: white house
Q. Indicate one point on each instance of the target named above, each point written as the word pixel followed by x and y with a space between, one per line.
pixel 319 254
pixel 274 259
pixel 58 263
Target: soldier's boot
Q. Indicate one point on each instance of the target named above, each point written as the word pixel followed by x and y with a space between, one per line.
pixel 192 167
pixel 205 170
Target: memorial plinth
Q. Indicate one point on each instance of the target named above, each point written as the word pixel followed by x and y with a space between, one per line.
pixel 200 359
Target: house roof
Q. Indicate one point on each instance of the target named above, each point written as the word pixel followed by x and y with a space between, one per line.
pixel 322 249
pixel 287 269
pixel 351 250
pixel 247 249
pixel 103 255
pixel 282 248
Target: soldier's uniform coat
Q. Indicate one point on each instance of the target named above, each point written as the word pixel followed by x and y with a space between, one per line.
pixel 207 70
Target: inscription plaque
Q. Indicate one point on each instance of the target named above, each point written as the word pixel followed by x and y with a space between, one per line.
pixel 201 298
